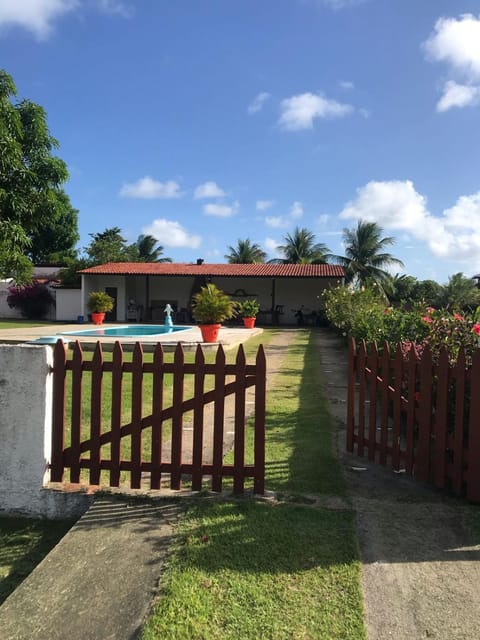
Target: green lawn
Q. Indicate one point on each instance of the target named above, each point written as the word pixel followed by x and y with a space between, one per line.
pixel 250 570
pixel 24 542
pixel 23 324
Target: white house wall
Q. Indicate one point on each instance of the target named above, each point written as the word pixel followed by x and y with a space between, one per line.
pixel 99 283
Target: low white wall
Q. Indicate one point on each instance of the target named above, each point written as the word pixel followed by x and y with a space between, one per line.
pixel 5 311
pixel 69 304
pixel 25 432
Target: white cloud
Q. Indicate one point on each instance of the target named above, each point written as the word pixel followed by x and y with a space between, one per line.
pixel 150 189
pixel 396 205
pixel 457 95
pixel 296 210
pixel 324 218
pixel 346 85
pixel 271 246
pixel 221 210
pixel 171 234
pixel 457 42
pixel 258 102
pixel 208 190
pixel 36 16
pixel 276 222
pixel 263 205
pixel 116 7
pixel 342 4
pixel 299 112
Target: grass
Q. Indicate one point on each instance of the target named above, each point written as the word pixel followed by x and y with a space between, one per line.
pixel 24 542
pixel 23 324
pixel 250 570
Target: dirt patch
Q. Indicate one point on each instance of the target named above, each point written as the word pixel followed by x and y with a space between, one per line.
pixel 420 572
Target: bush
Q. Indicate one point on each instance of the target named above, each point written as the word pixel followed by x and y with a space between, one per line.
pixel 33 300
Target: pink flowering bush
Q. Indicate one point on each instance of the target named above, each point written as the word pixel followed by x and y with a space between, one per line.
pixel 33 300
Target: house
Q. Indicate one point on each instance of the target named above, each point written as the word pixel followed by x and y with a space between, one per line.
pixel 142 290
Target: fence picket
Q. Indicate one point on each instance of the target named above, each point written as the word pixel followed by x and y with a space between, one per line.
pixel 459 428
pixel 352 370
pixel 259 443
pixel 218 419
pixel 177 418
pixel 116 413
pixel 397 408
pixel 385 383
pixel 362 383
pixel 441 420
pixel 412 370
pixel 239 443
pixel 372 363
pixel 137 405
pixel 76 428
pixel 157 422
pixel 422 466
pixel 58 410
pixel 96 414
pixel 473 475
pixel 198 419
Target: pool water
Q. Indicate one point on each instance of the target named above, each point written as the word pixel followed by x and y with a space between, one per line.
pixel 128 331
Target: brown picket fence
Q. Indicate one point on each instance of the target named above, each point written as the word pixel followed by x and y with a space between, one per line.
pixel 101 423
pixel 417 415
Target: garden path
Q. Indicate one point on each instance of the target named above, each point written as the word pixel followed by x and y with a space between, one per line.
pixel 420 572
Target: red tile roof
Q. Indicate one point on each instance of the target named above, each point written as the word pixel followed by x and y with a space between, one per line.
pixel 219 270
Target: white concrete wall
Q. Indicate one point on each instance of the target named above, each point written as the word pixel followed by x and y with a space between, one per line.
pixel 5 311
pixel 69 304
pixel 26 383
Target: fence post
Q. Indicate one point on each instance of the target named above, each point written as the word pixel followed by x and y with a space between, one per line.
pixel 473 474
pixel 260 392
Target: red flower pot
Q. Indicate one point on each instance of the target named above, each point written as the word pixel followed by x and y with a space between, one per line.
pixel 98 318
pixel 210 332
pixel 249 323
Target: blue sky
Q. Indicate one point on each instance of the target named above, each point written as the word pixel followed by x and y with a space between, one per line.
pixel 205 121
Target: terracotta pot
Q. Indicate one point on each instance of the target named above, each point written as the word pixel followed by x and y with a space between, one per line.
pixel 98 318
pixel 210 332
pixel 249 323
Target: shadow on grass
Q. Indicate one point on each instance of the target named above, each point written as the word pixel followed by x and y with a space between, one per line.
pixel 300 429
pixel 24 542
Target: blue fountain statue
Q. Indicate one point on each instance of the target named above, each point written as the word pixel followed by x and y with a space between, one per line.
pixel 168 316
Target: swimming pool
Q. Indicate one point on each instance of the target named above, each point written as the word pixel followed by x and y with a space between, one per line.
pixel 128 331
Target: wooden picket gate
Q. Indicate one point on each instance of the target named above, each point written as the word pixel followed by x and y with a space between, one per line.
pixel 97 427
pixel 416 415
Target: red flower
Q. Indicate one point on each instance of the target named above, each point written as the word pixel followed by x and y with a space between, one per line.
pixel 457 316
pixel 427 319
pixel 430 310
pixel 386 311
pixel 476 329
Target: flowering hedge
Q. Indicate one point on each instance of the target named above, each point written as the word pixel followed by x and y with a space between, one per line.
pixel 365 316
pixel 33 300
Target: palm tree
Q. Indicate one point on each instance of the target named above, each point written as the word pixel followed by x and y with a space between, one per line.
pixel 365 257
pixel 145 249
pixel 300 248
pixel 245 252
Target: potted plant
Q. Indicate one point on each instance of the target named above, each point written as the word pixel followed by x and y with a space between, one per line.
pixel 248 310
pixel 210 307
pixel 98 304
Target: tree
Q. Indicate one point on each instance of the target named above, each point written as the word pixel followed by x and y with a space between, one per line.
pixel 460 293
pixel 55 240
pixel 245 252
pixel 427 292
pixel 400 288
pixel 145 249
pixel 365 256
pixel 30 179
pixel 300 247
pixel 107 246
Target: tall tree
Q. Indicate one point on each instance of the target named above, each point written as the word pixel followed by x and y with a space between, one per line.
pixel 107 246
pixel 146 249
pixel 459 293
pixel 246 252
pixel 30 179
pixel 55 240
pixel 365 256
pixel 300 247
